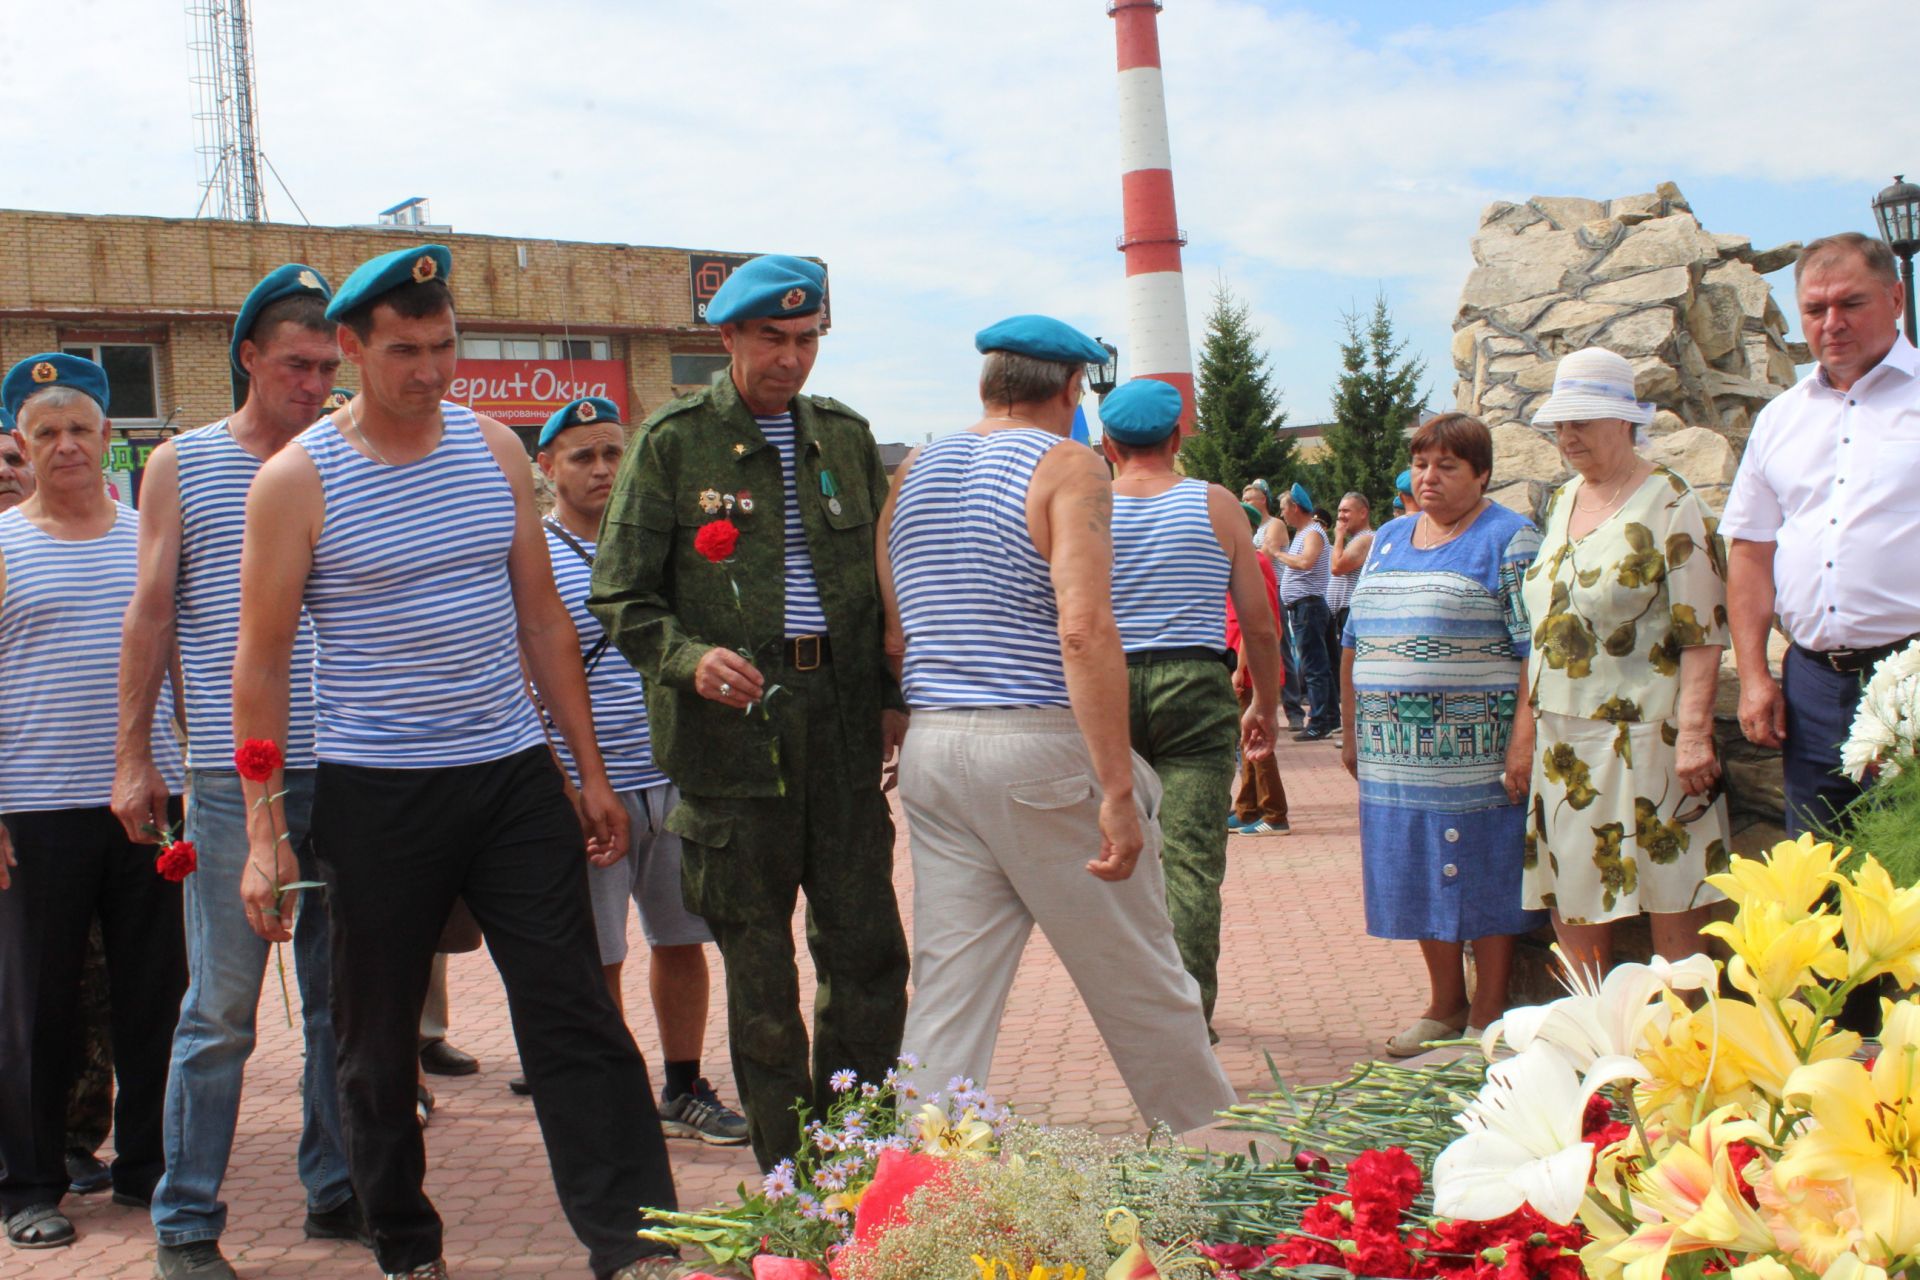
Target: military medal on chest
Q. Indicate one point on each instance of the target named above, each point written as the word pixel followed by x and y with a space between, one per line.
pixel 710 501
pixel 830 490
pixel 743 501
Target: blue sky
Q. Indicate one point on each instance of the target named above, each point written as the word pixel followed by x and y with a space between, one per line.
pixel 955 164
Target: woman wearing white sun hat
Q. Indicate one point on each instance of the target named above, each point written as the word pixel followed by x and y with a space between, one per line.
pixel 1628 603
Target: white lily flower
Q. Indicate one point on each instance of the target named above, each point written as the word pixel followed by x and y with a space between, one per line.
pixel 1523 1143
pixel 1602 1018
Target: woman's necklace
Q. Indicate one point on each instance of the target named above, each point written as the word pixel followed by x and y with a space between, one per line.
pixel 1452 529
pixel 353 420
pixel 1613 497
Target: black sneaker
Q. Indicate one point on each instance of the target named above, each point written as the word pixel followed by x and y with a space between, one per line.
pixel 86 1172
pixel 435 1270
pixel 343 1222
pixel 699 1113
pixel 1316 735
pixel 202 1258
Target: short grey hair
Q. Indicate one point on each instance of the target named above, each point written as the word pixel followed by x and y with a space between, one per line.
pixel 56 398
pixel 1875 252
pixel 1007 377
pixel 1358 497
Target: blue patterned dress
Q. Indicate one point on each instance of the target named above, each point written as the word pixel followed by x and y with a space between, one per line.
pixel 1440 638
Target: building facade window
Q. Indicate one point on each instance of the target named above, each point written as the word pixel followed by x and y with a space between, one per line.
pixel 131 388
pixel 696 369
pixel 531 346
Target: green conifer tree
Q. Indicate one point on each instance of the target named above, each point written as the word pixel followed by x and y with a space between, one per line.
pixel 1375 402
pixel 1237 436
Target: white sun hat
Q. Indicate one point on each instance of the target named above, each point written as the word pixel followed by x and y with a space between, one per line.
pixel 1593 383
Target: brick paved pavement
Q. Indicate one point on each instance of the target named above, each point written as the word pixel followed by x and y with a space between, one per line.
pixel 1299 980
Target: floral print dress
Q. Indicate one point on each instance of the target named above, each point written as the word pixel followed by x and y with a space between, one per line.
pixel 1610 830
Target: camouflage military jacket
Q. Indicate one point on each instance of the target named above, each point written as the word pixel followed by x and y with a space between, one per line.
pixel 665 604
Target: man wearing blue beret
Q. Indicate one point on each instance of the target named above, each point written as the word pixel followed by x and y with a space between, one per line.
pixel 1305 568
pixel 1180 548
pixel 68 559
pixel 192 512
pixel 735 571
pixel 1024 803
pixel 16 475
pixel 404 525
pixel 580 448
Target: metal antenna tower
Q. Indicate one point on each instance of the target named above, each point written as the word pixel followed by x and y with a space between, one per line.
pixel 226 118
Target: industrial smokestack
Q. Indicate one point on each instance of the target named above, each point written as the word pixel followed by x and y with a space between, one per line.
pixel 1156 290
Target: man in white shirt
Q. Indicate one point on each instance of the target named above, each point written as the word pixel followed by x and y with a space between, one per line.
pixel 1826 500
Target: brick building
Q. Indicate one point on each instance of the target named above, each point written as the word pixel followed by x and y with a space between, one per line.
pixel 541 321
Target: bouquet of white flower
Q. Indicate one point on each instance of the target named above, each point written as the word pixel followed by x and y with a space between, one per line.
pixel 1886 728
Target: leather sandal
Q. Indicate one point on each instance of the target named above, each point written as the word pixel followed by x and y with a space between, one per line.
pixel 40 1226
pixel 1415 1039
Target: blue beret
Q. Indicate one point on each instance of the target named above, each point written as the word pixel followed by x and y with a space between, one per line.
pixel 1403 483
pixel 389 271
pixel 6 421
pixel 337 398
pixel 773 285
pixel 1143 411
pixel 577 413
pixel 52 369
pixel 282 282
pixel 1300 495
pixel 1043 338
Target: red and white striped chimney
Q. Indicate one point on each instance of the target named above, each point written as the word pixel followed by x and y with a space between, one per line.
pixel 1156 291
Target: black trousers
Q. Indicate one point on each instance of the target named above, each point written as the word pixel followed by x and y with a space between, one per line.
pixel 395 847
pixel 74 864
pixel 1820 707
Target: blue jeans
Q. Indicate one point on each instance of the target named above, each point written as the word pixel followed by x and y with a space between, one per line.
pixel 1820 706
pixel 228 961
pixel 1310 620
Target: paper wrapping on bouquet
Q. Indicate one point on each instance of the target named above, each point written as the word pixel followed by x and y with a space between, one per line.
pixel 895 1178
pixel 768 1267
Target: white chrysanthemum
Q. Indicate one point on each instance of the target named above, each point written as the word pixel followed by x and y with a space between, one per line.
pixel 1886 728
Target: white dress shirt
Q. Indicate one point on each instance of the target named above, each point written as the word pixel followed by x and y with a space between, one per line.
pixel 1833 478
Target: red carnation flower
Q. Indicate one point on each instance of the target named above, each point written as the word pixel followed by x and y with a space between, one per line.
pixel 1386 1177
pixel 177 861
pixel 257 758
pixel 716 540
pixel 1597 1116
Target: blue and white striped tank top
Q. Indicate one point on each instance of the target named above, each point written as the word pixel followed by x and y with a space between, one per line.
pixel 619 698
pixel 416 655
pixel 1298 584
pixel 215 473
pixel 976 599
pixel 60 615
pixel 805 616
pixel 1169 574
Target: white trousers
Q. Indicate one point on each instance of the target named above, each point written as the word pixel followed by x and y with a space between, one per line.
pixel 1004 813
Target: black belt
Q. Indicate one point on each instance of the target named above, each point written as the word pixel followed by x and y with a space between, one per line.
pixel 805 653
pixel 1853 661
pixel 1185 653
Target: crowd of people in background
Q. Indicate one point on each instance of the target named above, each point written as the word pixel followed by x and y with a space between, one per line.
pixel 339 684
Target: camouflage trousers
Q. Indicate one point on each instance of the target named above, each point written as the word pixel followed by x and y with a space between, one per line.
pixel 90 1101
pixel 744 862
pixel 1186 724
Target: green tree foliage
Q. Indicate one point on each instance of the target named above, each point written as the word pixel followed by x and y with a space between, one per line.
pixel 1238 419
pixel 1376 400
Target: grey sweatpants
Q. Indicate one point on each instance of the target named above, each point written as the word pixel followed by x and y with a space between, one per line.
pixel 1004 813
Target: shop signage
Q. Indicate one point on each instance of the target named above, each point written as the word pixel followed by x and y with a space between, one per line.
pixel 524 393
pixel 708 271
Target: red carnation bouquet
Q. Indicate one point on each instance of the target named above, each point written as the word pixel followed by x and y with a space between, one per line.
pixel 258 759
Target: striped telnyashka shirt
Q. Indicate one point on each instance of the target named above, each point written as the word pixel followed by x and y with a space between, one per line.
pixel 214 475
pixel 976 600
pixel 416 652
pixel 1170 576
pixel 619 697
pixel 805 616
pixel 60 616
pixel 1298 584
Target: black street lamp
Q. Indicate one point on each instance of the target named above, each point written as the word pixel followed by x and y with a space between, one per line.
pixel 1104 377
pixel 1898 211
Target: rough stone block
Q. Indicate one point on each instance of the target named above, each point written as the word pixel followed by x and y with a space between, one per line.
pixel 1649 286
pixel 1715 319
pixel 1575 313
pixel 1674 241
pixel 1748 288
pixel 1463 340
pixel 1634 209
pixel 1700 455
pixel 1521 452
pixel 1655 380
pixel 1528 497
pixel 1768 261
pixel 1568 212
pixel 1640 333
pixel 1665 423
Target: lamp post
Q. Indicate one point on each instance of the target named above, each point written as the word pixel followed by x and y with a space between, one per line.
pixel 1898 210
pixel 1104 377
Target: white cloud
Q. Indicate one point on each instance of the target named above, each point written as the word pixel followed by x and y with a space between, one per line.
pixel 957 164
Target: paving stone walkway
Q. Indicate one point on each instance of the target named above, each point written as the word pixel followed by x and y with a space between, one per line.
pixel 1300 981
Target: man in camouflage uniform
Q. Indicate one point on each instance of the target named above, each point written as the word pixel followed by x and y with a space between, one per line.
pixel 770 699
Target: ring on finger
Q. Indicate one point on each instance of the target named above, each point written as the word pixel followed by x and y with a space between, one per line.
pixel 725 688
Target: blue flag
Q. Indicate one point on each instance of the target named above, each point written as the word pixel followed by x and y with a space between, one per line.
pixel 1080 425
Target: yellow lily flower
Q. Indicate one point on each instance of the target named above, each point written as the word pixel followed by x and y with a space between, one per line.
pixel 1761 1269
pixel 1815 1222
pixel 1596 1256
pixel 1773 956
pixel 1692 1054
pixel 1881 923
pixel 1849 1266
pixel 967 1136
pixel 1793 874
pixel 1866 1131
pixel 989 1268
pixel 1691 1199
pixel 1762 1047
